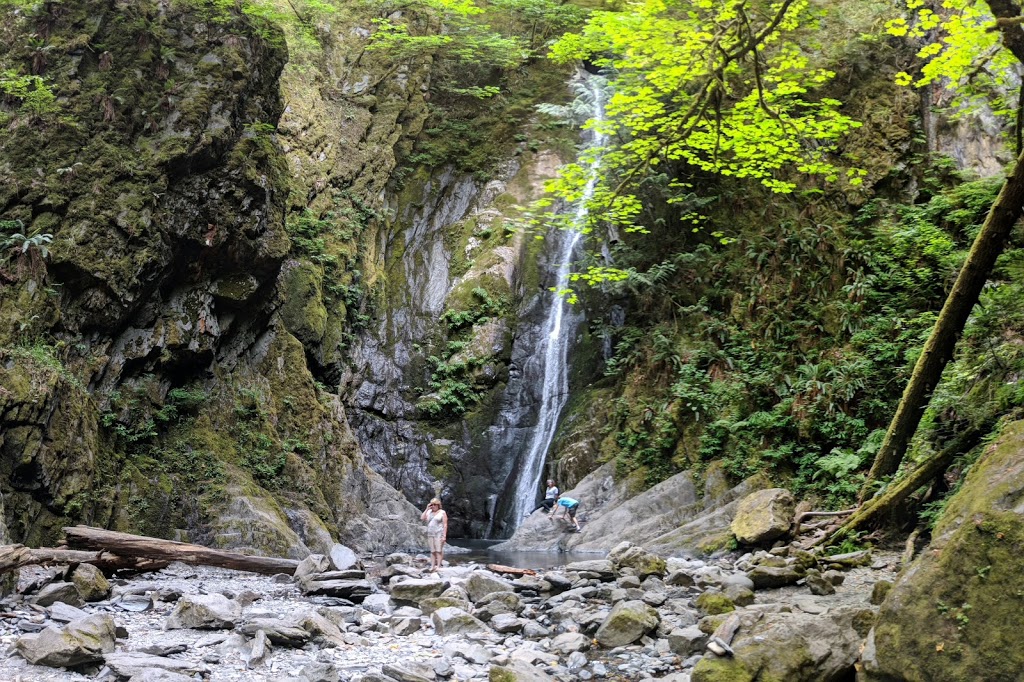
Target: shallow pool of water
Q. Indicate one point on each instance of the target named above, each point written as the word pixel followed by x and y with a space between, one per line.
pixel 481 552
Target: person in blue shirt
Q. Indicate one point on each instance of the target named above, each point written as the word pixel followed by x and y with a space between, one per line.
pixel 568 507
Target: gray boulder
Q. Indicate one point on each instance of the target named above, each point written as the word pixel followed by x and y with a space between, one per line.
pixel 687 641
pixel 353 590
pixel 343 558
pixel 409 671
pixel 311 565
pixel 81 641
pixel 763 516
pixel 453 621
pixel 481 584
pixel 59 592
pixel 506 623
pixel 568 642
pixel 204 612
pixel 416 590
pixel 627 622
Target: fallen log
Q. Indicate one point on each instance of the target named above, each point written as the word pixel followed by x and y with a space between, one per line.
pixel 510 570
pixel 13 557
pixel 125 544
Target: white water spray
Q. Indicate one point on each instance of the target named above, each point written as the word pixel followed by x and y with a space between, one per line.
pixel 555 340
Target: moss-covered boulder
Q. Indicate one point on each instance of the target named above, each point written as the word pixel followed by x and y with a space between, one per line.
pixel 791 647
pixel 763 516
pixel 627 622
pixel 967 586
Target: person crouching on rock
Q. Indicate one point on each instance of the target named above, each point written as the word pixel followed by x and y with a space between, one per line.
pixel 437 531
pixel 567 506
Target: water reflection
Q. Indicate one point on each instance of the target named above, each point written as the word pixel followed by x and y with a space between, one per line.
pixel 481 552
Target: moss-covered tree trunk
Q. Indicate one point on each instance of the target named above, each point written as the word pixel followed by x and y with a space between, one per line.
pixel 940 345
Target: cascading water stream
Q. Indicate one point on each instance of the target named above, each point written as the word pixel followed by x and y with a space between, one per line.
pixel 556 337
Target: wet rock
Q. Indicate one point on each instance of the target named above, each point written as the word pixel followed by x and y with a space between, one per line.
pixel 81 641
pixel 763 516
pixel 627 622
pixel 204 612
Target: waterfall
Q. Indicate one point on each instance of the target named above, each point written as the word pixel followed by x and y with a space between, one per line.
pixel 558 327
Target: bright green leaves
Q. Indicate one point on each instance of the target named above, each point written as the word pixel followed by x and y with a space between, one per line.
pixel 960 50
pixel 725 87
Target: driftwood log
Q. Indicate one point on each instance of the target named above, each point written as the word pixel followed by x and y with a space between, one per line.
pixel 15 556
pixel 124 544
pixel 510 570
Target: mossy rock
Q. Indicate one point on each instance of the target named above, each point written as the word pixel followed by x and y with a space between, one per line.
pixel 968 585
pixel 715 603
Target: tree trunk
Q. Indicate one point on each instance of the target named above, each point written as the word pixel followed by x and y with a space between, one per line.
pixel 875 509
pixel 168 550
pixel 15 556
pixel 940 345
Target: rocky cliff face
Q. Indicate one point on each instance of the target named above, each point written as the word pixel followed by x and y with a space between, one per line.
pixel 157 372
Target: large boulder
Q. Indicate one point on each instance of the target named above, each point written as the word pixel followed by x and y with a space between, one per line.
pixel 795 647
pixel 416 590
pixel 78 642
pixel 763 516
pixel 481 584
pixel 204 612
pixel 91 583
pixel 966 585
pixel 628 622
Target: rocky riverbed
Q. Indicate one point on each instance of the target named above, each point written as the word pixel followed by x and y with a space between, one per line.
pixel 630 616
